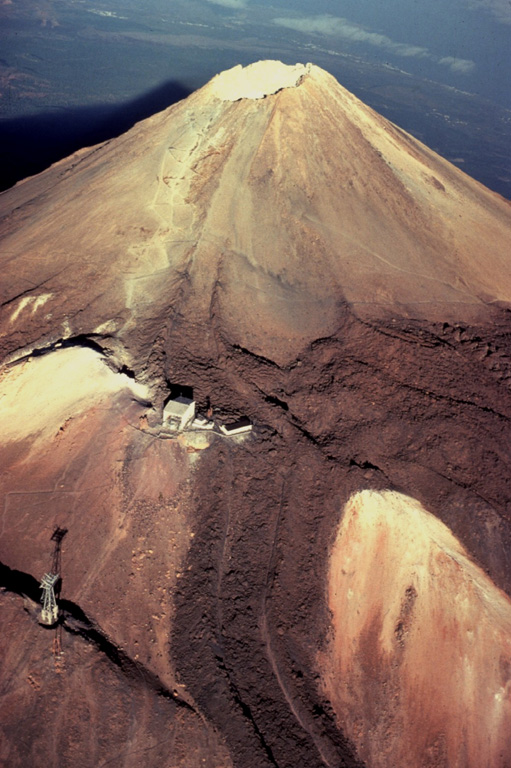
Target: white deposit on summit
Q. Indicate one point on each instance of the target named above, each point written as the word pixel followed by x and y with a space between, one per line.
pixel 263 78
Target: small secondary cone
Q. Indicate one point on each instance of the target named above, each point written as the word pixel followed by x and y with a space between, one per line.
pixel 419 659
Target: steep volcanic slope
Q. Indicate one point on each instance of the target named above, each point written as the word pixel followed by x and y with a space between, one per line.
pixel 269 213
pixel 285 251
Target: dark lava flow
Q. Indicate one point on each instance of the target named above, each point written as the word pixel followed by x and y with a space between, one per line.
pixel 398 405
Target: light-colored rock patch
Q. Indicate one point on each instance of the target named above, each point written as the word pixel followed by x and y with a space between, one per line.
pixel 39 394
pixel 34 301
pixel 196 441
pixel 419 665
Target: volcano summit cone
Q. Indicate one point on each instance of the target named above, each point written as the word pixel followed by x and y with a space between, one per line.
pixel 272 197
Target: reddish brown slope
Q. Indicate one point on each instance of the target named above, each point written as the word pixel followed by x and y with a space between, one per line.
pixel 74 457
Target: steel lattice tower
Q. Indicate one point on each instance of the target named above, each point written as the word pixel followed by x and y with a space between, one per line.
pixel 49 611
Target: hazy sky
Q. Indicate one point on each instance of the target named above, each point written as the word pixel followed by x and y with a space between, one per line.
pixel 464 43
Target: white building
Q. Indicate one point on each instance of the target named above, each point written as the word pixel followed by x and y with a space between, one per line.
pixel 179 412
pixel 239 427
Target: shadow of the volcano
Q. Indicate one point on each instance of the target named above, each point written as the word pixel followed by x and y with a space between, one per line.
pixel 30 144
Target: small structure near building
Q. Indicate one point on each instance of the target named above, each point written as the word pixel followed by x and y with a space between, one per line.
pixel 49 611
pixel 239 427
pixel 179 412
pixel 201 422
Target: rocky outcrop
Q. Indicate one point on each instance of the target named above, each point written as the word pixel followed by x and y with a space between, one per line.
pixel 293 257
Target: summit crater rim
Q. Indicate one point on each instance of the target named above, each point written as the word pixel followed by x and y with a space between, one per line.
pixel 257 80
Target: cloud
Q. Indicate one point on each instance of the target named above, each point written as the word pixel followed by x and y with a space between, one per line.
pixel 458 65
pixel 346 30
pixel 501 9
pixel 230 3
pixel 339 27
